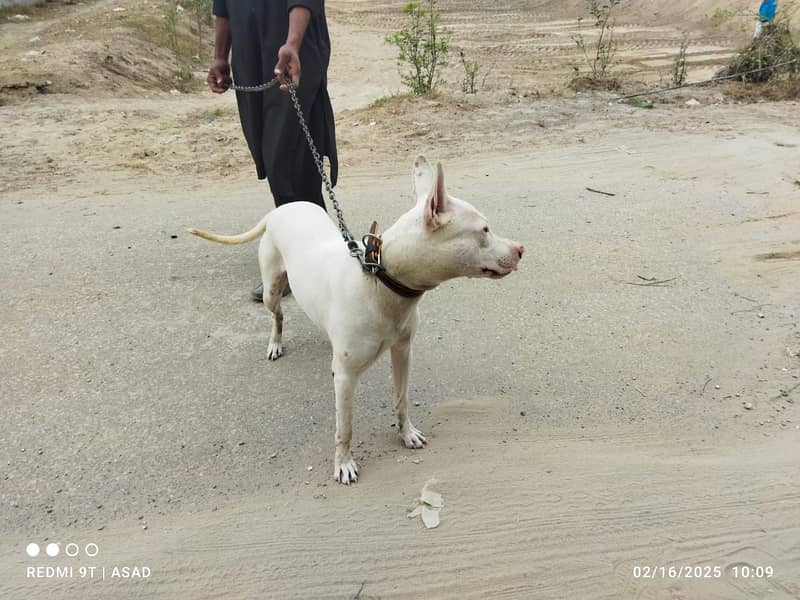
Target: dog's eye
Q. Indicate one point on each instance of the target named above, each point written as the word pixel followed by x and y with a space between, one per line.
pixel 486 229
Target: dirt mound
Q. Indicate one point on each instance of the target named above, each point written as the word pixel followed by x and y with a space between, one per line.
pixel 117 48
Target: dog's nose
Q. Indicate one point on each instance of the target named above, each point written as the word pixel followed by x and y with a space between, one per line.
pixel 520 250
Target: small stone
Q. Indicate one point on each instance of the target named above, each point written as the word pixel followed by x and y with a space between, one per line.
pixel 716 387
pixel 693 102
pixel 760 315
pixel 748 406
pixel 309 468
pixel 522 413
pixel 273 455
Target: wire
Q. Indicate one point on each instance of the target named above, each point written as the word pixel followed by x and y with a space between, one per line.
pixel 715 79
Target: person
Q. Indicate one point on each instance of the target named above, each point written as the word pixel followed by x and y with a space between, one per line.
pixel 766 14
pixel 288 39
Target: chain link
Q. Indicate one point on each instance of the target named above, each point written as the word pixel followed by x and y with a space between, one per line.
pixel 254 88
pixel 352 244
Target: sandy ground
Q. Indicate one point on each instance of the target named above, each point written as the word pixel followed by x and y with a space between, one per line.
pixel 585 428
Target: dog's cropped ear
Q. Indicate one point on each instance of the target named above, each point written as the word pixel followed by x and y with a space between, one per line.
pixel 422 179
pixel 436 204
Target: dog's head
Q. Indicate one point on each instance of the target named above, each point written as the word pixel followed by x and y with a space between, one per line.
pixel 456 237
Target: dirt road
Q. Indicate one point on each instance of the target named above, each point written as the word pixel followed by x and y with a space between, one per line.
pixel 588 425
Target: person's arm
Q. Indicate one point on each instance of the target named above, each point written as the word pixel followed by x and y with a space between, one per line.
pixel 288 66
pixel 219 75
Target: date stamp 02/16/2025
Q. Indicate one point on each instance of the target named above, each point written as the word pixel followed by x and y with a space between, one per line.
pixel 737 571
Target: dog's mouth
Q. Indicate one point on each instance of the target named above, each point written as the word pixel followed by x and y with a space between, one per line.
pixel 493 274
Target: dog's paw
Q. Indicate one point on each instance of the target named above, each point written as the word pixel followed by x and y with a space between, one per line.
pixel 346 472
pixel 274 351
pixel 412 437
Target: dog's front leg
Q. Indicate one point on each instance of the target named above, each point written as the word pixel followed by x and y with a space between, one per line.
pixel 344 381
pixel 401 358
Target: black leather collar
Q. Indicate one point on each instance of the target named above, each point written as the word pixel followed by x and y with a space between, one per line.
pixel 396 286
pixel 373 245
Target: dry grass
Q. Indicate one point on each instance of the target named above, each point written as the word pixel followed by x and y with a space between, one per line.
pixel 771 91
pixel 585 83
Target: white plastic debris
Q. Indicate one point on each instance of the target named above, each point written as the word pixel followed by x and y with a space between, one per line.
pixel 428 506
pixel 430 516
pixel 431 498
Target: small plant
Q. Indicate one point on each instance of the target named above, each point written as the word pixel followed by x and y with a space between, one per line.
pixel 183 75
pixel 422 46
pixel 601 58
pixel 471 68
pixel 639 103
pixel 198 13
pixel 679 64
pixel 201 11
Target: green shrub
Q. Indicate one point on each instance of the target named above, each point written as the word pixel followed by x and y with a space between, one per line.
pixel 773 47
pixel 601 58
pixel 422 46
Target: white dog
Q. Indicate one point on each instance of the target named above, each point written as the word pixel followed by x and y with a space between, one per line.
pixel 440 238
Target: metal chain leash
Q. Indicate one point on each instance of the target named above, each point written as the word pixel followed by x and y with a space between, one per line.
pixel 352 244
pixel 254 88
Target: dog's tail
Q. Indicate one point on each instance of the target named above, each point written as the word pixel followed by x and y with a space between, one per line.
pixel 248 236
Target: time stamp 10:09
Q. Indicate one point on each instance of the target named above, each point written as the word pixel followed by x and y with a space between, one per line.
pixel 740 571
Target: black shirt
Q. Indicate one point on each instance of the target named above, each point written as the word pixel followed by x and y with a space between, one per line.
pixel 276 141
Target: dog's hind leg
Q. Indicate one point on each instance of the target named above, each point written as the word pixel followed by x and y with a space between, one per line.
pixel 273 277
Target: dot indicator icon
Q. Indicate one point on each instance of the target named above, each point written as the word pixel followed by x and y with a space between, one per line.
pixel 32 550
pixel 52 550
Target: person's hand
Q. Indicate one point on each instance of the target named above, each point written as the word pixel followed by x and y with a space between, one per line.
pixel 219 76
pixel 288 67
